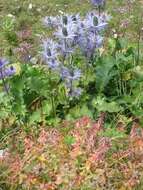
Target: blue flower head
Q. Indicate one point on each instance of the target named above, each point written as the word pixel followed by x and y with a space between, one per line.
pixel 6 71
pixel 66 32
pixel 3 62
pixel 50 21
pixel 50 53
pixel 49 49
pixel 65 48
pixel 53 64
pixel 70 74
pixel 97 2
pixel 95 23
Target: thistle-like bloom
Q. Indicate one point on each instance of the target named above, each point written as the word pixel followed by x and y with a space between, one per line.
pixel 67 19
pixel 3 62
pixel 66 36
pixel 75 92
pixel 66 32
pixel 6 71
pixel 67 27
pixel 94 22
pixel 49 49
pixel 97 2
pixel 89 39
pixel 53 64
pixel 99 41
pixel 50 53
pixel 65 48
pixel 50 21
pixel 89 43
pixel 60 21
pixel 70 74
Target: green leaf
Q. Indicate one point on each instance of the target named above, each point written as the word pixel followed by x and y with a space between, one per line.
pixel 35 117
pixel 69 140
pixel 112 43
pixel 103 72
pixel 102 106
pixel 113 133
pixel 79 111
pixel 46 107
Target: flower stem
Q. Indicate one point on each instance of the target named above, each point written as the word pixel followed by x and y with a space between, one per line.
pixel 3 81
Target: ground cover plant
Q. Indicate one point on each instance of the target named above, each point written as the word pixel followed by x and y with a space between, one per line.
pixel 71 101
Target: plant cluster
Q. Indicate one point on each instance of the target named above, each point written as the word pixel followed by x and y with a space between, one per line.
pixel 72 33
pixel 78 156
pixel 69 61
pixel 71 108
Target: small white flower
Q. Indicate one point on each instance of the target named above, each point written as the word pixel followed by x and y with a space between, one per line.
pixel 39 10
pixel 10 15
pixel 61 12
pixel 115 35
pixel 30 6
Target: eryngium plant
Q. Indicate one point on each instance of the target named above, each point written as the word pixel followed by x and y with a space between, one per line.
pixel 5 71
pixel 73 34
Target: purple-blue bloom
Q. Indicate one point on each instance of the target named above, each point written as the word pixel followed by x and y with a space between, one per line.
pixel 88 44
pixel 75 92
pixel 67 19
pixel 6 71
pixel 89 38
pixel 50 21
pixel 60 21
pixel 94 22
pixel 99 41
pixel 64 72
pixel 49 49
pixel 50 53
pixel 66 32
pixel 53 64
pixel 10 71
pixel 97 2
pixel 65 48
pixel 70 74
pixel 3 62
